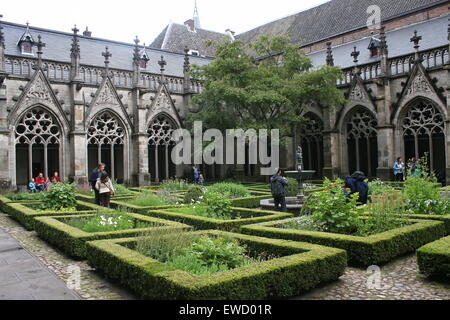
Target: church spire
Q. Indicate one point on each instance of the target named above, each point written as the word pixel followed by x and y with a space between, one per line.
pixel 196 17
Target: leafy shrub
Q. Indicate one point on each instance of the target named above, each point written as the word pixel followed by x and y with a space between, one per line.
pixel 378 188
pixel 120 189
pixel 306 223
pixel 331 208
pixel 422 194
pixel 234 190
pixel 175 185
pixel 194 194
pixel 148 199
pixel 292 187
pixel 383 214
pixel 218 205
pixel 60 196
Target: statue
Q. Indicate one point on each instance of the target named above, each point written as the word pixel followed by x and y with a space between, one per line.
pixel 299 158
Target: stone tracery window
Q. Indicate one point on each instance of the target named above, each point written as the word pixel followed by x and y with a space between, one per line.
pixel 362 142
pixel 108 135
pixel 423 131
pixel 39 129
pixel 161 142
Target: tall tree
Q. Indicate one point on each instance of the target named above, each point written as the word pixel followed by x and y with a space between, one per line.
pixel 268 84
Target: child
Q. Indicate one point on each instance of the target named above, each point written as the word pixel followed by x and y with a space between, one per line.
pixel 105 189
pixel 201 180
pixel 32 186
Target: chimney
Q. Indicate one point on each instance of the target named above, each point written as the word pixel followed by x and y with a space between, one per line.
pixel 190 24
pixel 87 33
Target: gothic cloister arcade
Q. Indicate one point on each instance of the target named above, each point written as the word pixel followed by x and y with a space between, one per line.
pixel 311 139
pixel 38 144
pixel 107 143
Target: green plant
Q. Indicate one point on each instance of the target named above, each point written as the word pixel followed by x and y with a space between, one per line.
pixel 333 210
pixel 422 194
pixel 25 196
pixel 378 187
pixel 60 196
pixel 193 195
pixel 298 267
pixel 175 185
pixel 234 190
pixel 383 214
pixel 120 189
pixel 106 222
pixel 148 199
pixel 218 205
pixel 306 223
pixel 292 187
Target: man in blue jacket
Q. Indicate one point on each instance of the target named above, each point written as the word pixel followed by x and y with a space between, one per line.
pixel 357 184
pixel 96 174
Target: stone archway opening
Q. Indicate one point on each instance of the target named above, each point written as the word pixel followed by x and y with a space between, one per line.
pixel 160 146
pixel 423 129
pixel 311 139
pixel 106 138
pixel 362 142
pixel 38 145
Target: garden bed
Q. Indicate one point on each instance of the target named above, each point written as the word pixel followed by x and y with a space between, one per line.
pixel 298 268
pixel 362 251
pixel 243 216
pixel 67 234
pixel 434 259
pixel 25 213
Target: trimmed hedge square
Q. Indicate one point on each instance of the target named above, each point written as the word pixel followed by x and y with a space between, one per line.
pixel 91 198
pixel 138 209
pixel 434 259
pixel 302 267
pixel 248 216
pixel 24 213
pixel 73 240
pixel 362 251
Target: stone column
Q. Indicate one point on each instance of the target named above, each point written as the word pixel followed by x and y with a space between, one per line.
pixel 140 149
pixel 331 165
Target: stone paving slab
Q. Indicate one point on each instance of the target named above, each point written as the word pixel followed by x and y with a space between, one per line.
pixel 23 277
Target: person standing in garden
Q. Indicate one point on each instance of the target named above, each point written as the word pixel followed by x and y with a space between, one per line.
pixel 195 174
pixel 96 174
pixel 399 170
pixel 105 189
pixel 278 184
pixel 357 184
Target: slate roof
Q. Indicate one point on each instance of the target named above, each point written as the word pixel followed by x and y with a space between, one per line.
pixel 434 34
pixel 58 46
pixel 176 37
pixel 333 18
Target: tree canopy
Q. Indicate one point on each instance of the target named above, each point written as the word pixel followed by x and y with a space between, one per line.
pixel 269 84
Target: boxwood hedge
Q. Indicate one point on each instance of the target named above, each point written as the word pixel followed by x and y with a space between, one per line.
pixel 24 213
pixel 302 266
pixel 73 240
pixel 434 259
pixel 362 251
pixel 248 216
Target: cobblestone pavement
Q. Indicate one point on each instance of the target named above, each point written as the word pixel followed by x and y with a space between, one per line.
pixel 92 286
pixel 400 280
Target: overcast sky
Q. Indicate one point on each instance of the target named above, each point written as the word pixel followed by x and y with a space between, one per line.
pixel 123 20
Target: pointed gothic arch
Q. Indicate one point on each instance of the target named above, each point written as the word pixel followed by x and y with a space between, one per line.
pixel 39 144
pixel 421 129
pixel 361 143
pixel 311 140
pixel 107 143
pixel 160 144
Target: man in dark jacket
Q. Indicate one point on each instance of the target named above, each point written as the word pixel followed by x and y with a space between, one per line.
pixel 278 183
pixel 357 184
pixel 96 174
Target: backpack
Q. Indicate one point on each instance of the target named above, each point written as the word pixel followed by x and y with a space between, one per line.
pixel 277 188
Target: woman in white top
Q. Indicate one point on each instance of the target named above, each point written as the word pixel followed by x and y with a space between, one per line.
pixel 105 189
